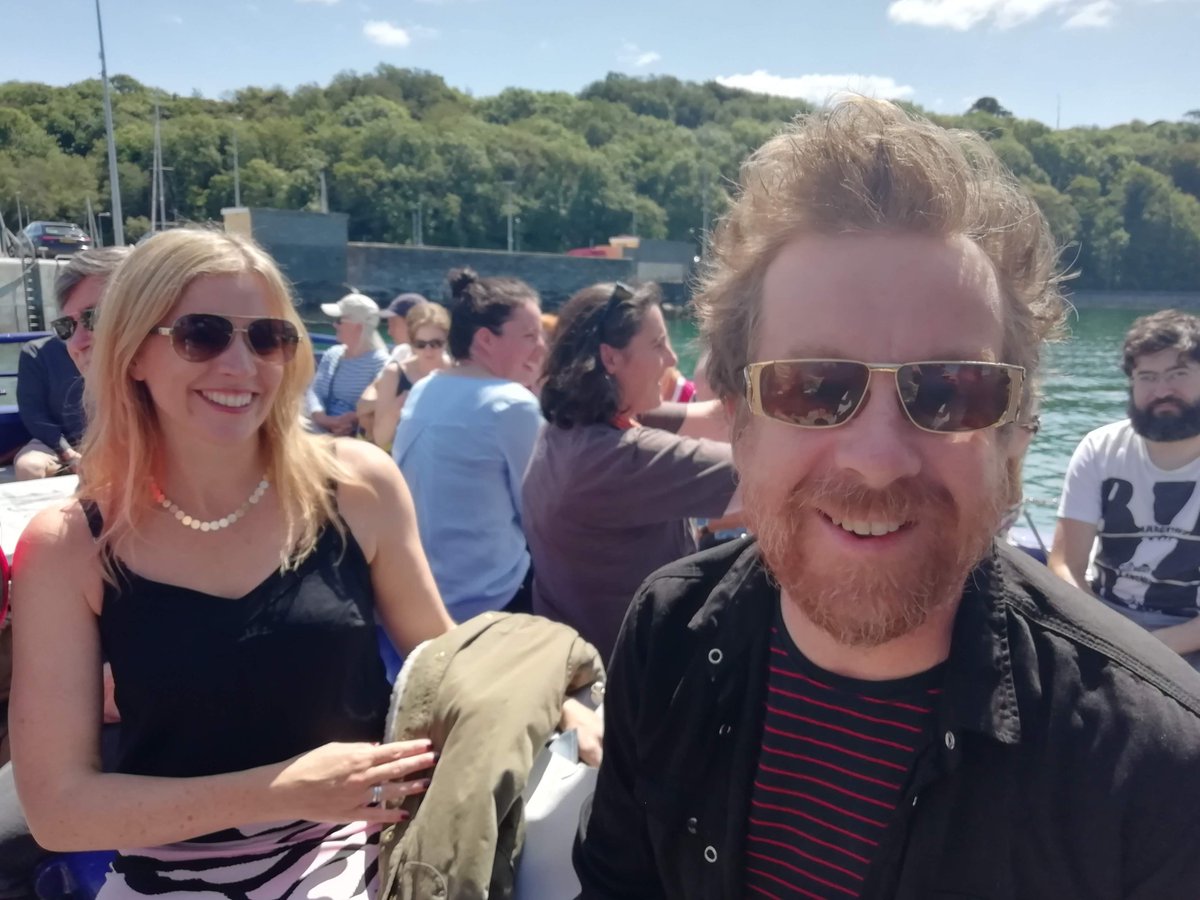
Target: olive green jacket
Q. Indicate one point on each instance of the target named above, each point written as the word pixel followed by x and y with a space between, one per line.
pixel 489 695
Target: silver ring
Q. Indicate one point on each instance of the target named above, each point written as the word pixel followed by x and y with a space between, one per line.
pixel 376 795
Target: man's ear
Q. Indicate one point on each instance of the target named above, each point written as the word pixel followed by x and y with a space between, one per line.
pixel 730 405
pixel 611 358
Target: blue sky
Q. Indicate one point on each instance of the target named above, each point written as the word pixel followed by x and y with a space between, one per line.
pixel 1108 61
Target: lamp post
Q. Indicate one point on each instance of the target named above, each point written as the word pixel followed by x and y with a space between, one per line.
pixel 508 209
pixel 100 217
pixel 237 176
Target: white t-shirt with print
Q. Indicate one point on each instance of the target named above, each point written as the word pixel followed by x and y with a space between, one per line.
pixel 1147 521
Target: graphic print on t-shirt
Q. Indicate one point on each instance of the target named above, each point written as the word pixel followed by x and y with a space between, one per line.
pixel 1149 554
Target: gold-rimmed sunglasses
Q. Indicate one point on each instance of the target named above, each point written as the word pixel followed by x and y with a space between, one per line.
pixel 944 397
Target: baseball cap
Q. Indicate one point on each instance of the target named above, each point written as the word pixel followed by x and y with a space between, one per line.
pixel 402 304
pixel 357 308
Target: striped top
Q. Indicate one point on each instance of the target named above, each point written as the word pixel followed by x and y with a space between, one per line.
pixel 339 382
pixel 836 755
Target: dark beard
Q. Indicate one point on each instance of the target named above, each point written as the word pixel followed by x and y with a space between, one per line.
pixel 871 605
pixel 1165 428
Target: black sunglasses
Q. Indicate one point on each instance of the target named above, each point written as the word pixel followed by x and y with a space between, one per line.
pixel 65 327
pixel 942 397
pixel 434 344
pixel 620 293
pixel 200 337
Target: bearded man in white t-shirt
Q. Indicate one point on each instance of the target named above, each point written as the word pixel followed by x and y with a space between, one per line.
pixel 1133 485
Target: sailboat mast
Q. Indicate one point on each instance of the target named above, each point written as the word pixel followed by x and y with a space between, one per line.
pixel 154 166
pixel 114 180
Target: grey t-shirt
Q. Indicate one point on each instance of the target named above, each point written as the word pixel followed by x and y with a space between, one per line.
pixel 604 507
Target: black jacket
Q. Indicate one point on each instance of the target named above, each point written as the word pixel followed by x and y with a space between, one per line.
pixel 50 393
pixel 1066 765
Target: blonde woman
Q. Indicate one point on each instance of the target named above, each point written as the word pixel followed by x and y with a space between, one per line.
pixel 428 327
pixel 229 565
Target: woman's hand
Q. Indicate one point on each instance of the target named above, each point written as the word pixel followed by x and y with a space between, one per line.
pixel 589 727
pixel 338 782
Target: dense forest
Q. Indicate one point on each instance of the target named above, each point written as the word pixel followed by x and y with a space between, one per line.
pixel 652 156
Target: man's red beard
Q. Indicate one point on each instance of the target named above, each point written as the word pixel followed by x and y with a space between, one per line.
pixel 865 603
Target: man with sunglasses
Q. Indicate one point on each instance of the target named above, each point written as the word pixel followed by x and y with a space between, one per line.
pixel 872 698
pixel 50 370
pixel 1133 484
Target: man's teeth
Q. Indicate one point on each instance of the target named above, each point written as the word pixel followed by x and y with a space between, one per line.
pixel 223 398
pixel 867 529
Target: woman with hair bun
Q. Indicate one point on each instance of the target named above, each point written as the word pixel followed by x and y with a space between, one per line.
pixel 464 440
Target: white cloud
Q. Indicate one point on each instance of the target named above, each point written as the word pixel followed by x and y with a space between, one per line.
pixel 963 15
pixel 321 2
pixel 385 34
pixel 633 55
pixel 1094 15
pixel 818 88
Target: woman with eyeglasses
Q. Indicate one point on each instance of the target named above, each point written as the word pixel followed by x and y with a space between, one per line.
pixel 428 328
pixel 606 499
pixel 230 566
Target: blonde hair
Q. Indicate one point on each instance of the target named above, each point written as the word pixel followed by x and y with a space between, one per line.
pixel 866 165
pixel 423 314
pixel 123 447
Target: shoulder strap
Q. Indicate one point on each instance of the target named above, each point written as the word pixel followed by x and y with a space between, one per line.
pixel 94 519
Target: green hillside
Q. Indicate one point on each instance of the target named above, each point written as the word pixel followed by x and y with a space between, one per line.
pixel 626 154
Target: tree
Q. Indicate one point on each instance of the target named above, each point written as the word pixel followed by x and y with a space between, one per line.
pixel 991 106
pixel 657 151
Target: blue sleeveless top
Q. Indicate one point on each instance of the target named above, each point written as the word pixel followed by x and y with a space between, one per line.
pixel 208 685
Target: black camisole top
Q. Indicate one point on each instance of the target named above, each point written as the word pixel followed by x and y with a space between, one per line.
pixel 208 685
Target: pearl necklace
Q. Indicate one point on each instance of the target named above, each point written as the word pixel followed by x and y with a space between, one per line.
pixel 216 524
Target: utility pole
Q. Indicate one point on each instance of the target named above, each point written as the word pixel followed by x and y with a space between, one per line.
pixel 324 193
pixel 20 224
pixel 704 204
pixel 114 180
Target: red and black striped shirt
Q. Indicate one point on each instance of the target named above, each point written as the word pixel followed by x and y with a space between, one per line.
pixel 836 754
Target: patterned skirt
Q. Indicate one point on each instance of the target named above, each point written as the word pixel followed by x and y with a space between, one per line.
pixel 296 860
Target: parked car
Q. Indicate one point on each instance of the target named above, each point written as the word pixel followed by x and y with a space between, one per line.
pixel 50 239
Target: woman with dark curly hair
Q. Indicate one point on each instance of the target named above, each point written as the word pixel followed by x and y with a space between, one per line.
pixel 606 499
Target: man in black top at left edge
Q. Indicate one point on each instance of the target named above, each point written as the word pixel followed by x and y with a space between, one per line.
pixel 50 370
pixel 872 698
